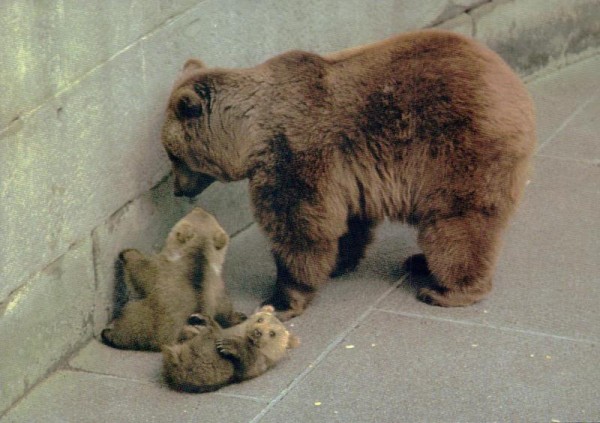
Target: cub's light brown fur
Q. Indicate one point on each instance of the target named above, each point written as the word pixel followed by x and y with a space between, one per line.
pixel 212 357
pixel 185 277
pixel 429 128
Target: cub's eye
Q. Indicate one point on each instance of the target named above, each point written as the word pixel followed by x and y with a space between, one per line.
pixel 272 334
pixel 260 320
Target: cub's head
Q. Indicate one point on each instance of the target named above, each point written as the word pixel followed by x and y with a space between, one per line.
pixel 196 138
pixel 197 231
pixel 268 334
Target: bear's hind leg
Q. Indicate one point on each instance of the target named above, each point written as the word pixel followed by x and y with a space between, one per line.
pixel 461 254
pixel 137 271
pixel 133 330
pixel 353 244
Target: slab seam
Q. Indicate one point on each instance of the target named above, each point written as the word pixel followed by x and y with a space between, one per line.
pixel 488 326
pixel 568 120
pixel 338 340
pixel 570 159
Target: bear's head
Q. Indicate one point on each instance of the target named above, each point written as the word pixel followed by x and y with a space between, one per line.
pixel 197 134
pixel 266 332
pixel 198 232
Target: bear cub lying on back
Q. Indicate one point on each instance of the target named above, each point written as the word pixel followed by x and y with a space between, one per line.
pixel 184 278
pixel 211 357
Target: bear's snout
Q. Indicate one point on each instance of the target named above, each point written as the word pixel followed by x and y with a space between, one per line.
pixel 191 185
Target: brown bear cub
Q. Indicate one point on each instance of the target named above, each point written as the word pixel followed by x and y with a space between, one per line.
pixel 211 357
pixel 184 278
pixel 429 128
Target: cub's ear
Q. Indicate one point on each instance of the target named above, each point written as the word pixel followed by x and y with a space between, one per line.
pixel 293 341
pixel 170 353
pixel 192 64
pixel 220 240
pixel 267 309
pixel 188 106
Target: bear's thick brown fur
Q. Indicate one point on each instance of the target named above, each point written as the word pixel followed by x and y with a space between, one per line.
pixel 429 128
pixel 184 278
pixel 210 357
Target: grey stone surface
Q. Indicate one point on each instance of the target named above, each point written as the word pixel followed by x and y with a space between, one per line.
pixel 463 24
pixel 241 33
pixel 578 139
pixel 532 34
pixel 395 368
pixel 45 320
pixel 74 162
pixel 112 399
pixel 48 46
pixel 559 95
pixel 98 358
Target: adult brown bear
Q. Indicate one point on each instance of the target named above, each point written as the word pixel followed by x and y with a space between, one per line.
pixel 428 127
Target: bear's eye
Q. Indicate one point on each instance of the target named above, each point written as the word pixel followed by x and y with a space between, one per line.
pixel 272 334
pixel 260 320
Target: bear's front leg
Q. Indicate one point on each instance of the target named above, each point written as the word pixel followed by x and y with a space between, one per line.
pixel 299 276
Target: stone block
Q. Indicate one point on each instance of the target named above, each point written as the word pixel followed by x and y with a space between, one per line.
pixel 42 322
pixel 233 33
pixel 532 34
pixel 48 46
pixel 399 368
pixel 73 163
pixel 81 397
pixel 463 24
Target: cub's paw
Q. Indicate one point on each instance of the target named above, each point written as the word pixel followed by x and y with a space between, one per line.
pixel 227 348
pixel 129 254
pixel 197 320
pixel 238 317
pixel 106 336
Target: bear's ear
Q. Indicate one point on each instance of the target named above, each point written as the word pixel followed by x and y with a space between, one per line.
pixel 188 107
pixel 293 341
pixel 220 240
pixel 192 64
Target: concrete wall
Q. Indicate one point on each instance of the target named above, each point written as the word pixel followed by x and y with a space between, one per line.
pixel 83 86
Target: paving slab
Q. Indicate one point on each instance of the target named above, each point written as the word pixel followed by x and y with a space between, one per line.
pixel 394 368
pixel 69 396
pixel 547 277
pixel 578 139
pixel 560 94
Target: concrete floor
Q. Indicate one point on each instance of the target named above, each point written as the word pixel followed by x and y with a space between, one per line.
pixel 372 353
